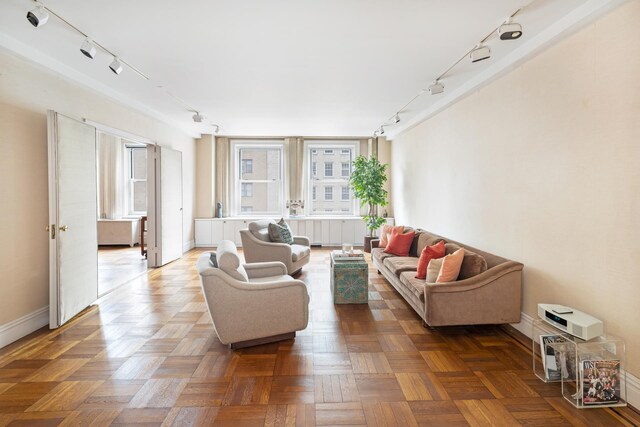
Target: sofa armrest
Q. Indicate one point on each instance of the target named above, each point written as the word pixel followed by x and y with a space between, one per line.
pixel 301 240
pixel 265 269
pixel 474 282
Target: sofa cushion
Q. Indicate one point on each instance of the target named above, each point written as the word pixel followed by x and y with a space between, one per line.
pixel 400 243
pixel 229 262
pixel 433 269
pixel 280 232
pixel 379 255
pixel 428 253
pixel 299 252
pixel 385 233
pixel 425 239
pixel 260 229
pixel 398 264
pixel 472 264
pixel 413 285
pixel 451 267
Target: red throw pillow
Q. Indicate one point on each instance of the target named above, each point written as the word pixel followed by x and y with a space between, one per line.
pixel 399 244
pixel 428 253
pixel 385 233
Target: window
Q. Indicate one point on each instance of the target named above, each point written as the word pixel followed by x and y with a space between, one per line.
pixel 136 180
pixel 246 189
pixel 346 195
pixel 328 193
pixel 247 166
pixel 258 179
pixel 328 169
pixel 346 169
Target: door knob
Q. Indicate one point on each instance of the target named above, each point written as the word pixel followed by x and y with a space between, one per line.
pixel 63 228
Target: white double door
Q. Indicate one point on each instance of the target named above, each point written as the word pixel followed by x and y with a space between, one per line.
pixel 72 227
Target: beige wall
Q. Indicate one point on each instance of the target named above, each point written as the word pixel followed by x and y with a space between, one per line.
pixel 543 166
pixel 26 92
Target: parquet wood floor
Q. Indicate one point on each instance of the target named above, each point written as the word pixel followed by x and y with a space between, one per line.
pixel 147 354
pixel 117 265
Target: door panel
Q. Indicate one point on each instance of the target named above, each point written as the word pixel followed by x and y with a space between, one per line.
pixel 72 217
pixel 165 205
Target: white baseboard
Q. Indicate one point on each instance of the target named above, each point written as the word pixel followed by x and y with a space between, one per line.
pixel 633 383
pixel 187 246
pixel 16 329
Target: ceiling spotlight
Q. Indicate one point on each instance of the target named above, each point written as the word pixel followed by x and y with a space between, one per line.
pixel 116 65
pixel 436 88
pixel 38 16
pixel 510 30
pixel 396 119
pixel 88 49
pixel 381 130
pixel 216 129
pixel 198 118
pixel 480 53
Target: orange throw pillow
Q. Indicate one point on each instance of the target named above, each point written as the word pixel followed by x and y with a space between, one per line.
pixel 451 267
pixel 399 244
pixel 428 253
pixel 385 233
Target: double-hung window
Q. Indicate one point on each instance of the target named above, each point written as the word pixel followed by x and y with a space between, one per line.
pixel 136 180
pixel 330 191
pixel 258 182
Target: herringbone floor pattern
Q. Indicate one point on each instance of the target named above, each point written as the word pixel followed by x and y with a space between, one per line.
pixel 147 355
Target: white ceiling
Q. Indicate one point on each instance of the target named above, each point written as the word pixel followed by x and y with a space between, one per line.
pixel 285 67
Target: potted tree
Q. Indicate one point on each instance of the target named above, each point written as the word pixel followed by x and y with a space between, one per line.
pixel 367 181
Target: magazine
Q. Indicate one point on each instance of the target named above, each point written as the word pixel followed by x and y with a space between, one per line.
pixel 600 382
pixel 556 365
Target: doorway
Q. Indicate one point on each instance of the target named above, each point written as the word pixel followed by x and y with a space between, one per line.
pixel 122 203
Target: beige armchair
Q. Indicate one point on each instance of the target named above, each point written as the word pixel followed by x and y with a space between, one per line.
pixel 257 247
pixel 251 304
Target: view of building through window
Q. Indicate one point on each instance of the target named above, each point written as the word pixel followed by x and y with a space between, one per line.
pixel 330 190
pixel 260 179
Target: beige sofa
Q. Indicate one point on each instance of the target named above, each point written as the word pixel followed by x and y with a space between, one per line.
pixel 493 296
pixel 251 304
pixel 258 247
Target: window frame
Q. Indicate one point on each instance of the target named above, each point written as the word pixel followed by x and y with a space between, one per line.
pixel 236 182
pixel 328 188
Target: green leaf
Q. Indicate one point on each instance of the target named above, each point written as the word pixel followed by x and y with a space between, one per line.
pixel 367 181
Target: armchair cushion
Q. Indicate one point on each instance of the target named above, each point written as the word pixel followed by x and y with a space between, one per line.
pixel 298 252
pixel 280 232
pixel 260 229
pixel 229 262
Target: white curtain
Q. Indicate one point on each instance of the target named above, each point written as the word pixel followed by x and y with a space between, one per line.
pixel 110 176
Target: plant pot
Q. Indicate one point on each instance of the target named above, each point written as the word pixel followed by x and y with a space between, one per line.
pixel 367 243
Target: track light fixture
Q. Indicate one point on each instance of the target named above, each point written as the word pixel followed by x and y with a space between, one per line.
pixel 510 30
pixel 88 49
pixel 436 88
pixel 480 53
pixel 198 118
pixel 381 130
pixel 396 119
pixel 116 65
pixel 216 129
pixel 38 16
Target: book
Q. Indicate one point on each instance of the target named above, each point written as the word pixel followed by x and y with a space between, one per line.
pixel 600 381
pixel 355 255
pixel 556 365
